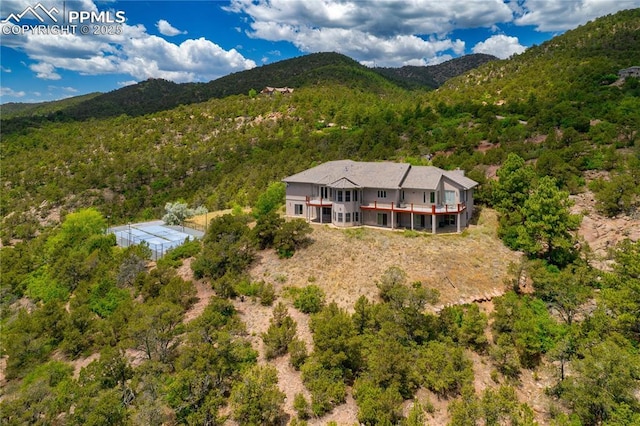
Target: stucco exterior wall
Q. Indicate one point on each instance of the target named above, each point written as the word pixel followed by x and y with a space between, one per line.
pixel 297 194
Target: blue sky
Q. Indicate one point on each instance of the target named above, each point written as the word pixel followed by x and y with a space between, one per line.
pixel 186 41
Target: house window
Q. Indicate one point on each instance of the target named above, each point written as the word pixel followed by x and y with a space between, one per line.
pixel 326 211
pixel 347 197
pixel 424 197
pixel 402 195
pixel 382 219
pixel 355 195
pixel 324 192
pixel 340 217
pixel 347 217
pixel 339 196
pixel 450 197
pixel 382 193
pixel 432 198
pixel 298 209
pixel 356 217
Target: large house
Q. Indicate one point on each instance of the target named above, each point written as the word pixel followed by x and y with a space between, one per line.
pixel 389 195
pixel 629 72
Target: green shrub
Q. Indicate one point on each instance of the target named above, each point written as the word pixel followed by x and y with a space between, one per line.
pixel 40 286
pixel 267 294
pixel 246 287
pixel 174 256
pixel 292 236
pixel 302 407
pixel 297 353
pixel 281 331
pixel 326 386
pixel 310 299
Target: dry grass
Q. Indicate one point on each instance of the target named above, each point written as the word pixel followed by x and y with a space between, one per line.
pixel 346 263
pixel 203 220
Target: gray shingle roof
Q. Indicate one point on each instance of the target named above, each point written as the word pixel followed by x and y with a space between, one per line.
pixel 344 183
pixel 428 177
pixel 423 177
pixel 363 174
pixel 347 173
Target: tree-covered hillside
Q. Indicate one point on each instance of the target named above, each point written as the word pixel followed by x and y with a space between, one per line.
pixel 412 77
pixel 13 109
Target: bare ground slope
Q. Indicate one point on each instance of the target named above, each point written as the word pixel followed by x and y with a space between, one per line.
pixel 346 263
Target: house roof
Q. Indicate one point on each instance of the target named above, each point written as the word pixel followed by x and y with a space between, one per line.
pixel 343 183
pixel 360 174
pixel 428 177
pixel 354 174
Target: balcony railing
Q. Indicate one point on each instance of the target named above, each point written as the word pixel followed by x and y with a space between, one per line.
pixel 319 201
pixel 416 208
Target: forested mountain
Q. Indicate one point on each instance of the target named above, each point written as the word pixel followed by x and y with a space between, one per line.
pixel 531 130
pixel 12 109
pixel 434 76
pixel 155 95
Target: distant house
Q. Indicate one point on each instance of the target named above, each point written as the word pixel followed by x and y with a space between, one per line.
pixel 271 90
pixel 630 72
pixel 389 195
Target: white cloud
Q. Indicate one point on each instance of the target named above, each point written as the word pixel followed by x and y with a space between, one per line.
pixel 45 71
pixel 499 45
pixel 134 52
pixel 127 83
pixel 167 29
pixel 383 17
pixel 554 15
pixel 6 91
pixel 367 48
pixel 5 69
pixel 384 33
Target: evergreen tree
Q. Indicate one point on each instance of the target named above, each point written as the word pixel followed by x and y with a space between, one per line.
pixel 548 228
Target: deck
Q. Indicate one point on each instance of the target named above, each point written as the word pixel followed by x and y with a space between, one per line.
pixel 393 207
pixel 419 209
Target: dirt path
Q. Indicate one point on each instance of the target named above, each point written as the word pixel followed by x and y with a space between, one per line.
pixel 204 292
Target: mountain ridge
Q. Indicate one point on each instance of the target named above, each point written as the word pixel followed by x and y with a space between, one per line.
pixel 433 76
pixel 155 94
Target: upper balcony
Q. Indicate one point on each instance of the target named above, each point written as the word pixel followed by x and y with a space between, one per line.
pixel 319 201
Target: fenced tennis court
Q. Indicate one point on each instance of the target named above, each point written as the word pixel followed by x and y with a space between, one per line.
pixel 159 237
